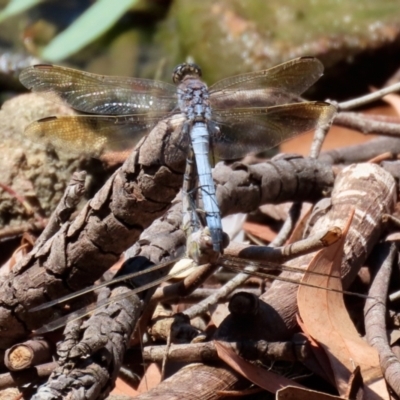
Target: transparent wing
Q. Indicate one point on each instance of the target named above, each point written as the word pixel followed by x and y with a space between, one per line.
pixel 92 135
pixel 265 270
pixel 242 131
pixel 83 312
pixel 281 84
pixel 294 76
pixel 99 94
pixel 118 279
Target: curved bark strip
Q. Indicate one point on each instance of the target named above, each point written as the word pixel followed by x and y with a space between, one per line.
pixel 140 191
pixel 372 192
pixel 375 316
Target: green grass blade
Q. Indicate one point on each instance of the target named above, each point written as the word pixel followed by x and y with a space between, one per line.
pixel 101 16
pixel 15 7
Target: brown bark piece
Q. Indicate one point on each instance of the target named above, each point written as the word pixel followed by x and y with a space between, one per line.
pixel 195 381
pixel 83 250
pixel 243 188
pixel 106 334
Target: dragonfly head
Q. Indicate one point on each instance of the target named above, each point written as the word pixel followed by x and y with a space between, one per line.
pixel 185 69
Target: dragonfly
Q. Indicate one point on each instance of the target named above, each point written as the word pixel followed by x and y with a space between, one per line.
pixel 236 116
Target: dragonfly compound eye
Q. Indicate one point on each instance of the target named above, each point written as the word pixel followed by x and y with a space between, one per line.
pixel 185 69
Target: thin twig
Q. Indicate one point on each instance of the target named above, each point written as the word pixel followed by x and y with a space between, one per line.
pixel 312 243
pixel 382 157
pixel 318 139
pixel 288 225
pixel 28 376
pixel 223 292
pixel 205 352
pixel 369 98
pixel 360 152
pixel 186 286
pixel 367 125
pixel 375 319
pixel 18 230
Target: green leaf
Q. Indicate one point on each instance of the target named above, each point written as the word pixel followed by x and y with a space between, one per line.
pixel 15 7
pixel 101 16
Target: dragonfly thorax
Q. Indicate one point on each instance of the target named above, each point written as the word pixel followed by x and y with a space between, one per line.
pixel 194 100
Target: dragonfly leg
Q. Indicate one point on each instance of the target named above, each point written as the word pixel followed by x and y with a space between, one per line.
pixel 200 247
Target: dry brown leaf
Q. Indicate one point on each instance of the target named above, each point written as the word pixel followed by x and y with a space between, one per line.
pixel 296 393
pixel 218 313
pixel 278 212
pixel 394 100
pixel 151 378
pixel 260 231
pixel 393 237
pixel 266 379
pixel 123 388
pixel 326 319
pixel 394 336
